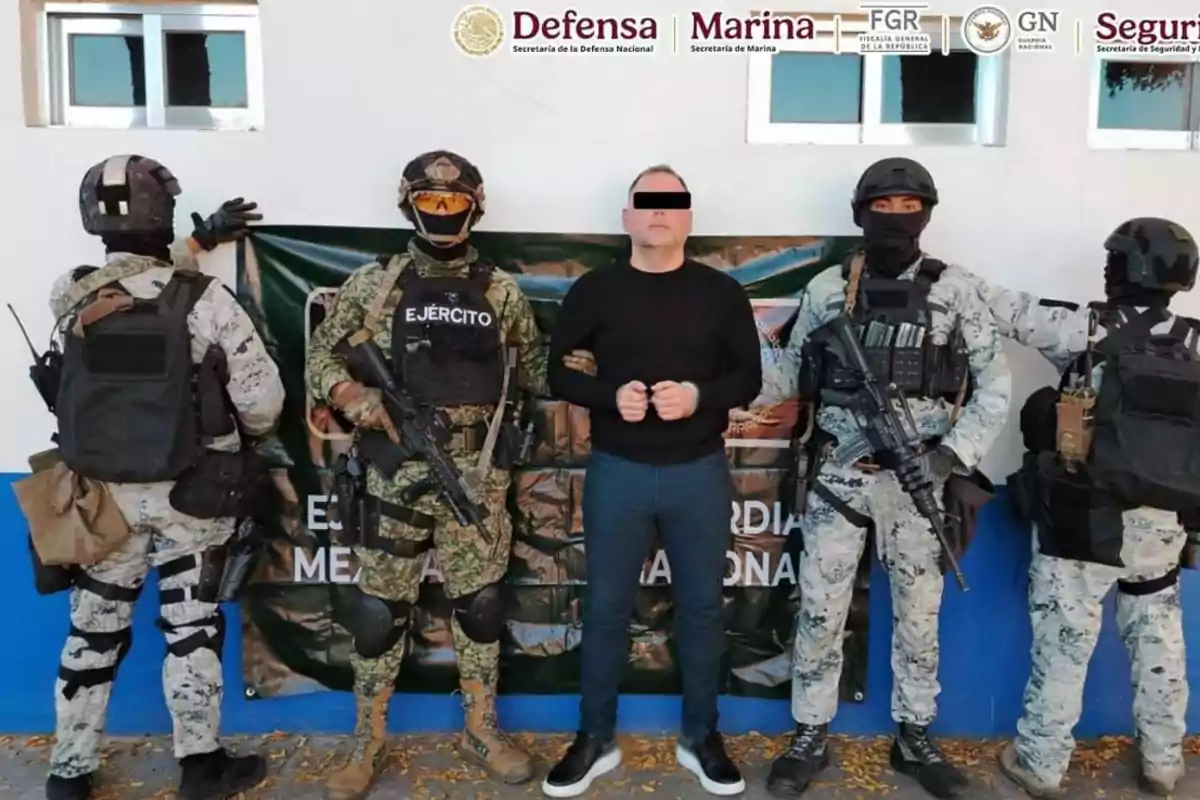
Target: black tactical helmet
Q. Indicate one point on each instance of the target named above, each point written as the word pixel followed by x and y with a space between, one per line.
pixel 128 194
pixel 891 176
pixel 1159 254
pixel 442 171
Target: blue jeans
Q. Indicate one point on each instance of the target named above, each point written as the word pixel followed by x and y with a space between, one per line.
pixel 624 502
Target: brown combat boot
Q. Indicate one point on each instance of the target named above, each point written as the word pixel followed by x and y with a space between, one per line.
pixel 353 781
pixel 482 740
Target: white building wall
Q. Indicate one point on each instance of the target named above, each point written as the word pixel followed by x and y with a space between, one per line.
pixel 355 88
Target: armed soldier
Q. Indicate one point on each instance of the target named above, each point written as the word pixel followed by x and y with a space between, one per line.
pixel 136 333
pixel 1111 487
pixel 436 428
pixel 925 334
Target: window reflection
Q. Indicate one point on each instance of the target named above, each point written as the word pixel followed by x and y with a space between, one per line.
pixel 107 71
pixel 1145 95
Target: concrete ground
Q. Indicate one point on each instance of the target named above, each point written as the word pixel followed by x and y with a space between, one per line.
pixel 427 768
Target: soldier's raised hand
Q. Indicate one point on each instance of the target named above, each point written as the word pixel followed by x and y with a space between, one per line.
pixel 228 223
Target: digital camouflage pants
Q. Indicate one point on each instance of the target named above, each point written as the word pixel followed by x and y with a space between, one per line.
pixel 101 614
pixel 1065 607
pixel 467 563
pixel 833 547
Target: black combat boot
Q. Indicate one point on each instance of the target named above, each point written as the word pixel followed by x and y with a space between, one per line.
pixel 77 788
pixel 807 754
pixel 218 775
pixel 915 755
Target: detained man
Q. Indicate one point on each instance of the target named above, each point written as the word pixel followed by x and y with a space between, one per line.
pixel 676 349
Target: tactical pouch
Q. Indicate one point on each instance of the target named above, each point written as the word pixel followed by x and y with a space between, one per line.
pixel 247 544
pixel 49 579
pixel 212 401
pixel 1075 519
pixel 510 447
pixel 908 369
pixel 963 497
pixel 223 484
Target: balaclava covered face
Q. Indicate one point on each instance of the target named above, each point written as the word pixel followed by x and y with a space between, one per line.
pixel 153 245
pixel 892 240
pixel 1120 291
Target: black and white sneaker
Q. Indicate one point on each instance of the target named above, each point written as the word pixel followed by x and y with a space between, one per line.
pixel 709 762
pixel 586 759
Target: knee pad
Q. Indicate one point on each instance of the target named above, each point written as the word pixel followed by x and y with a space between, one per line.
pixel 480 614
pixel 377 624
pixel 77 679
pixel 198 637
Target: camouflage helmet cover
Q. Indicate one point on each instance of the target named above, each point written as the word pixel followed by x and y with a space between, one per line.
pixel 894 176
pixel 441 171
pixel 128 194
pixel 1159 253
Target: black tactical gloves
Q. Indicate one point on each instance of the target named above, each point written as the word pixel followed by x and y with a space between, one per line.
pixel 227 224
pixel 927 470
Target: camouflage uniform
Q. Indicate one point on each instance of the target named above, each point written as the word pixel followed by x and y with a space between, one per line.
pixel 907 548
pixel 467 562
pixel 1066 596
pixel 102 607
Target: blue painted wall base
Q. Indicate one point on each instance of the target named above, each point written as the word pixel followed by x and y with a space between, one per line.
pixel 985 661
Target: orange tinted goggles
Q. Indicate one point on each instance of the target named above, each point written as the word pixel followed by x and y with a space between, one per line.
pixel 442 203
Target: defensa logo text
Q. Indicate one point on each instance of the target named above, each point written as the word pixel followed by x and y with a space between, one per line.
pixel 573 33
pixel 1146 35
pixel 718 32
pixel 456 315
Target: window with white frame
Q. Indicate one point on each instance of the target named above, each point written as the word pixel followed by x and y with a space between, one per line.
pixel 166 65
pixel 1145 104
pixel 823 91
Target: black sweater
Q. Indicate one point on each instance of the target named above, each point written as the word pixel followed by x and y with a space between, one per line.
pixel 692 324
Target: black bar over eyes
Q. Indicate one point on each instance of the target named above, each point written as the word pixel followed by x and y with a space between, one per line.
pixel 662 201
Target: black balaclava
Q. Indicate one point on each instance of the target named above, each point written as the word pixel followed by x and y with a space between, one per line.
pixel 1121 292
pixel 432 250
pixel 153 245
pixel 893 240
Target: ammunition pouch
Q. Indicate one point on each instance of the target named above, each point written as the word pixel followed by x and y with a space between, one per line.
pixel 217 416
pixel 1076 519
pixel 224 484
pixel 963 497
pixel 926 371
pixel 50 579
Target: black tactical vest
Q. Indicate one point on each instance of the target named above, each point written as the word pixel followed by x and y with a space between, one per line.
pixel 126 407
pixel 446 344
pixel 1146 445
pixel 893 319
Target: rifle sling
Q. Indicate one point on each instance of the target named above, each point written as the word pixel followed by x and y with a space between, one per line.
pixel 839 505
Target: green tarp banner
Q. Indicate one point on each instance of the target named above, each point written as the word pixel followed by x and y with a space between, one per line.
pixel 294 641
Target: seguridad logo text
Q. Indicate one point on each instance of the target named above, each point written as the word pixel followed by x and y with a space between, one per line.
pixel 1117 34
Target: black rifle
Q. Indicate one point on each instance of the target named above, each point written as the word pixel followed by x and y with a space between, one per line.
pixel 46 372
pixel 876 406
pixel 418 428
